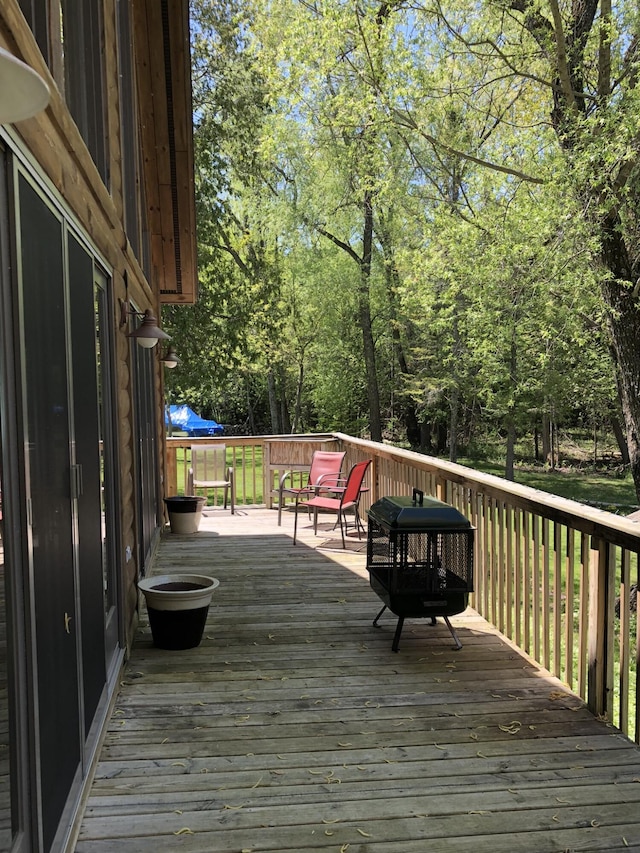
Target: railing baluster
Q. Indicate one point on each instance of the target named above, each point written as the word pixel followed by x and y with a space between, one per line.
pixel 509 521
pixel 570 553
pixel 536 586
pixel 583 618
pixel 624 647
pixel 499 561
pixel 546 598
pixel 637 653
pixel 486 554
pixel 493 577
pixel 600 639
pixel 519 614
pixel 557 599
pixel 526 599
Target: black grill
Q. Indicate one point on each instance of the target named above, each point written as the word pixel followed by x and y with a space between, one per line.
pixel 420 559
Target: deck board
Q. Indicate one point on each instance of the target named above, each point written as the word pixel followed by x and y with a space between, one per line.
pixel 293 726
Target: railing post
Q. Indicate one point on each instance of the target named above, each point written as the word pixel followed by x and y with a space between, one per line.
pixel 171 471
pixel 600 645
pixel 373 479
pixel 267 475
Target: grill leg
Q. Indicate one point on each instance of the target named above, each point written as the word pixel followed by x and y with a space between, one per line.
pixel 375 621
pixel 396 638
pixel 453 633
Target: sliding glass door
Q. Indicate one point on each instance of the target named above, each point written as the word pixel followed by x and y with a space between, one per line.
pixel 70 481
pixel 52 484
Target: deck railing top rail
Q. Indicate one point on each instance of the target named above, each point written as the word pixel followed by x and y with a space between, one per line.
pixel 586 519
pixel 590 520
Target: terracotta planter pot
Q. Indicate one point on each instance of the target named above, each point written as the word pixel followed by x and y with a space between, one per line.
pixel 185 512
pixel 177 606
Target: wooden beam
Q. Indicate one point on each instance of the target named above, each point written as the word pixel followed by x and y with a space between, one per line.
pixel 161 38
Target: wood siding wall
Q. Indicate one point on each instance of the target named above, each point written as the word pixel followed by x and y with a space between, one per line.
pixel 52 143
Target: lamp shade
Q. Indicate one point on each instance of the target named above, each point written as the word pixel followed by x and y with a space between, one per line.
pixel 23 92
pixel 148 332
pixel 170 358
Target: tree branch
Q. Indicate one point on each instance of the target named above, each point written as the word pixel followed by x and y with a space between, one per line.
pixel 339 243
pixel 410 123
pixel 564 73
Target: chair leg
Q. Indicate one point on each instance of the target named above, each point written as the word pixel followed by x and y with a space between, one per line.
pixel 343 522
pixel 295 522
pixel 280 498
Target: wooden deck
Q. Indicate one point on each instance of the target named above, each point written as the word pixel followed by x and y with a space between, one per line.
pixel 294 727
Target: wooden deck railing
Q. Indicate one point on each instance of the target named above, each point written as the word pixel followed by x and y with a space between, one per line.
pixel 550 573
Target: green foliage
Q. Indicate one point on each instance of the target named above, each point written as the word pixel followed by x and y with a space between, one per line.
pixel 490 197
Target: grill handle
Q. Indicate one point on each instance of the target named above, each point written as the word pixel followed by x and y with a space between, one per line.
pixel 414 497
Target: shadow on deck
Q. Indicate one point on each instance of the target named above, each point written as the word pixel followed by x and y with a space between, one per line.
pixel 294 727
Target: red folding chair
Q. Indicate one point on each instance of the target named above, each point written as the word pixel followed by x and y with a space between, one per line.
pixel 349 498
pixel 325 471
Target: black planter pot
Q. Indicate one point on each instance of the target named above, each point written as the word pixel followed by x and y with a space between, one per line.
pixel 185 512
pixel 177 606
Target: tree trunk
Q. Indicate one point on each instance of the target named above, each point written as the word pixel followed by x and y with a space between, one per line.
pixel 408 412
pixel 509 464
pixel 297 409
pixel 426 445
pixel 273 403
pixel 285 421
pixel 624 327
pixel 412 426
pixel 547 451
pixel 364 318
pixel 454 407
pixel 621 440
pixel 511 426
pixel 454 396
pixel 250 413
pixel 606 189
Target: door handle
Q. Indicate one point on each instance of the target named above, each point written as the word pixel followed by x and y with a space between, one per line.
pixel 76 481
pixel 67 623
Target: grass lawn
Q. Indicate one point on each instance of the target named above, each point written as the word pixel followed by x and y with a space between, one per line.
pixel 607 491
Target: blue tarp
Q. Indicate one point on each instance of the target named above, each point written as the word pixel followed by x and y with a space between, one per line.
pixel 183 418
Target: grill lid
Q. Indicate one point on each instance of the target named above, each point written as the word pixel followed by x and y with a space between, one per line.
pixel 417 513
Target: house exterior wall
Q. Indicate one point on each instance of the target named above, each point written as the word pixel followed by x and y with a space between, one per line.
pixel 106 174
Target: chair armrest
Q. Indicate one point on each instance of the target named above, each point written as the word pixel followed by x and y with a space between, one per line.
pixel 334 474
pixel 283 478
pixel 341 482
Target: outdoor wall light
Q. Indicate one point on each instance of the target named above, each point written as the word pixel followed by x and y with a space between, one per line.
pixel 170 358
pixel 148 332
pixel 23 92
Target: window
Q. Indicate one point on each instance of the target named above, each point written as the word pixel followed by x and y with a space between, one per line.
pixel 35 12
pixel 83 57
